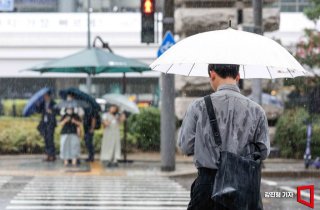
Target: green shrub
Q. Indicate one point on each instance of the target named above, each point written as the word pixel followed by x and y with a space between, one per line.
pixel 8 106
pixel 144 129
pixel 20 135
pixel 291 134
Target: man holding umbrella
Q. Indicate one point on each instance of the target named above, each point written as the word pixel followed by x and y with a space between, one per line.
pixel 240 121
pixel 47 124
pixel 219 127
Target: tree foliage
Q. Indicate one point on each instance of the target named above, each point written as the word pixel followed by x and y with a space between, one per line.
pixel 291 134
pixel 308 54
pixel 313 12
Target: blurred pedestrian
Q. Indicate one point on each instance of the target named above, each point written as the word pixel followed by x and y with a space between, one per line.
pixel 77 110
pixel 111 145
pixel 89 125
pixel 47 125
pixel 239 121
pixel 70 136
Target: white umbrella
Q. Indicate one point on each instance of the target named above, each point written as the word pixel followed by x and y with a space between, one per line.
pixel 122 101
pixel 258 56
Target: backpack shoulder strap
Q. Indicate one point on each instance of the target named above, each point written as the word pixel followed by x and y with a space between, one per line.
pixel 213 120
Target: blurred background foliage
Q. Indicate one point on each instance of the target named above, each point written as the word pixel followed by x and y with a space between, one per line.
pixel 291 133
pixel 20 135
pixel 304 102
pixel 144 129
pixel 13 107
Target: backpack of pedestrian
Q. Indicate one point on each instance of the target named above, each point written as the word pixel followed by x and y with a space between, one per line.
pixel 225 132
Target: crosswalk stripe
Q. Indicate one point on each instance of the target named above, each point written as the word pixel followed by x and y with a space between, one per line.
pixel 115 187
pixel 95 193
pixel 96 208
pixel 144 194
pixel 98 203
pixel 84 198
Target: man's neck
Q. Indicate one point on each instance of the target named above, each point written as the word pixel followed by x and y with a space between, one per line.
pixel 227 82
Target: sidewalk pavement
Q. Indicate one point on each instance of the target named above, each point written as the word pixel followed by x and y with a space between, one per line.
pixel 143 164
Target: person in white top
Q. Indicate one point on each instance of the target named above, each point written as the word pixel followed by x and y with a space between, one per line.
pixel 111 145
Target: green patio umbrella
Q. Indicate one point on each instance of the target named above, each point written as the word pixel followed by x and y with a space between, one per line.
pixel 94 61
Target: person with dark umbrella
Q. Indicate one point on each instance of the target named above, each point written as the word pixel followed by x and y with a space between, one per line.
pixel 89 124
pixel 90 116
pixel 48 124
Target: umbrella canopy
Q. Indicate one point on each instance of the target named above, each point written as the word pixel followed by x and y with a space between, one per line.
pixel 72 104
pixel 258 56
pixel 82 96
pixel 92 61
pixel 122 101
pixel 37 98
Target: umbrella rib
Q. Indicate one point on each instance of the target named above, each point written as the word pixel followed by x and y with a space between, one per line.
pixel 191 69
pixel 155 66
pixel 169 69
pixel 269 72
pixel 290 73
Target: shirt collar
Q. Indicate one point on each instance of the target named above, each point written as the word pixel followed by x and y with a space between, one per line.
pixel 229 87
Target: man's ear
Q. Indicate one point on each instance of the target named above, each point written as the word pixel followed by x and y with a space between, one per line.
pixel 238 77
pixel 212 75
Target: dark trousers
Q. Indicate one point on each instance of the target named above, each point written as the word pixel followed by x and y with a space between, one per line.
pixel 201 190
pixel 48 136
pixel 88 138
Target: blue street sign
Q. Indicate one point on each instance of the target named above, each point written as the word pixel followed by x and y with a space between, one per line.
pixel 6 5
pixel 167 42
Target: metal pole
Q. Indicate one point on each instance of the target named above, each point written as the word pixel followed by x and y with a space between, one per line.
pixel 258 29
pixel 124 89
pixel 89 79
pixel 168 127
pixel 89 31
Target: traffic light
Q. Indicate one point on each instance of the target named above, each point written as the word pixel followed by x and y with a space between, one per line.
pixel 147 21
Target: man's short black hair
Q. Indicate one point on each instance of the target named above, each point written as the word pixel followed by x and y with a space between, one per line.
pixel 224 70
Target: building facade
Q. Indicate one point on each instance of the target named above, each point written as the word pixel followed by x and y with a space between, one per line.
pixel 80 5
pixel 28 39
pixel 293 5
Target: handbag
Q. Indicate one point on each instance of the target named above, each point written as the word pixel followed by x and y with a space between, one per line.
pixel 237 181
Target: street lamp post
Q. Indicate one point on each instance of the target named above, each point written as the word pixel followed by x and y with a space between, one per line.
pixel 258 29
pixel 89 77
pixel 168 127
